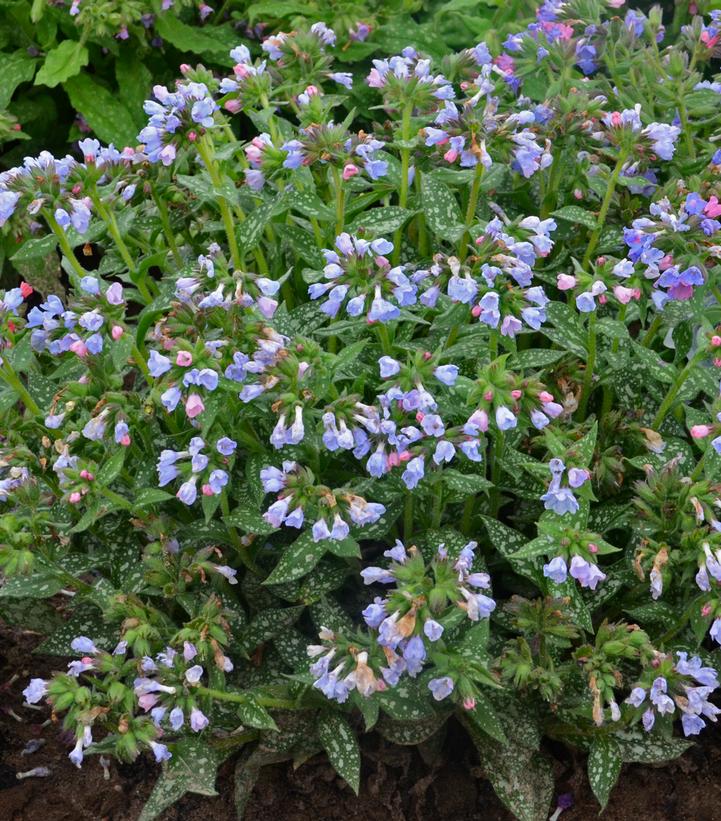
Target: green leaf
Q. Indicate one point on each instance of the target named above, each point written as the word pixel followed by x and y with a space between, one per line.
pixel 341 745
pixel 86 620
pixel 135 82
pixel 521 778
pixel 409 700
pixel 485 718
pixel 111 469
pixel 649 748
pixel 441 210
pixel 253 714
pixel 540 546
pixel 310 205
pixel 151 496
pixel 538 358
pixel 251 229
pixel 40 584
pixel 604 766
pixel 61 63
pixel 268 624
pixel 247 517
pixel 576 215
pixel 188 38
pixel 192 768
pixel 15 68
pixel 464 484
pixel 377 221
pixel 35 248
pixel 298 559
pixel 104 112
pixel 409 733
pixel 303 244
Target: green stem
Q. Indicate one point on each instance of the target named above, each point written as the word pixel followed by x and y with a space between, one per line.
pixel 675 388
pixel 8 375
pixel 64 244
pixel 470 212
pixel 687 133
pixel 408 519
pixel 590 367
pixel 242 549
pixel 167 228
pixel 205 149
pixel 136 277
pixel 497 448
pixel 141 363
pixel 653 329
pixel 607 389
pixel 698 470
pixel 467 518
pixel 405 165
pixel 385 339
pixel 605 205
pixel 241 698
pixel 437 513
pixel 339 201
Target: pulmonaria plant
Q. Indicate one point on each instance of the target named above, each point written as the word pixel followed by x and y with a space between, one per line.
pixel 333 352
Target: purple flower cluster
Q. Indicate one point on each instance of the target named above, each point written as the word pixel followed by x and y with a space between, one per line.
pixel 361 278
pixel 173 116
pixel 192 463
pixel 691 701
pixel 298 493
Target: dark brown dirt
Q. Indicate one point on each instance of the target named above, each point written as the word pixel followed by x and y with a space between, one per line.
pixel 398 784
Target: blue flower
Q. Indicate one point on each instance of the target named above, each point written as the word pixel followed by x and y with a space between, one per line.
pixel 414 472
pixel 556 570
pixel 441 687
pixel 158 364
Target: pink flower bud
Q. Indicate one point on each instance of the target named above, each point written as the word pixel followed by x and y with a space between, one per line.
pixel 577 193
pixel 233 106
pixel 713 208
pixel 420 416
pixel 125 440
pixel 451 155
pixel 87 475
pixel 207 490
pixel 350 170
pixel 79 348
pixel 715 341
pixel 116 332
pixel 469 704
pixel 26 289
pixel 564 282
pixel 427 355
pixel 394 460
pixel 192 136
pixel 545 396
pixel 184 358
pixel 706 610
pixel 184 68
pixel 476 311
pixel 603 299
pixel 592 548
pixel 74 497
pixel 700 431
pixel 516 394
pixel 488 396
pixel 666 262
pixel 194 406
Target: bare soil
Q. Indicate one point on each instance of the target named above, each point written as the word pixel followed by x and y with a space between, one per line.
pixel 398 784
